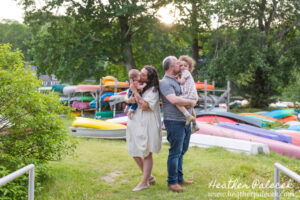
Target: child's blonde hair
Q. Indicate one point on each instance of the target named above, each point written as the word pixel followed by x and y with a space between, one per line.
pixel 133 73
pixel 189 60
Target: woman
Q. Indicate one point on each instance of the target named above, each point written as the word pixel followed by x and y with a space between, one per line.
pixel 143 134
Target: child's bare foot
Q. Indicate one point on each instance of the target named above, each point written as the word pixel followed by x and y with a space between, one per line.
pixel 129 114
pixel 195 128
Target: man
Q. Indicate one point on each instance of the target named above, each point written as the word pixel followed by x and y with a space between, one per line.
pixel 178 134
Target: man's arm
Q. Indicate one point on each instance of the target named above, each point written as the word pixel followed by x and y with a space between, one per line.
pixel 179 101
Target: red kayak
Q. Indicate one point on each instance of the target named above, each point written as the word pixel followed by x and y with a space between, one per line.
pixel 214 119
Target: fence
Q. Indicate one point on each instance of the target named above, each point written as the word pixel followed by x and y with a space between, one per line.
pixel 277 168
pixel 18 173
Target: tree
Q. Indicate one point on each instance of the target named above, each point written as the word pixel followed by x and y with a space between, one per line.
pixel 16 34
pixel 31 130
pixel 195 15
pixel 90 33
pixel 253 46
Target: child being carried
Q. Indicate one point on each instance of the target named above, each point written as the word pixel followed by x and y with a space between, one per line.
pixel 188 89
pixel 133 75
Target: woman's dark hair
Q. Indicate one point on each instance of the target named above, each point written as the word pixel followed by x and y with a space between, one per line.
pixel 153 80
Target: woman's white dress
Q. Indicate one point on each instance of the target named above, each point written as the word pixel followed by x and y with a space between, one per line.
pixel 143 133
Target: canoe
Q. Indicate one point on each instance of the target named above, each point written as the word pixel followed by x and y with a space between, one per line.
pixel 120 84
pixel 288 119
pixel 96 124
pixel 69 90
pixel 280 113
pixel 214 119
pixel 257 131
pixel 261 117
pixel 87 88
pixel 294 134
pixel 233 116
pixel 275 146
pixel 98 133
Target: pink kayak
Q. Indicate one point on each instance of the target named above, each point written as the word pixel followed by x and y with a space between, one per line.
pixel 294 134
pixel 276 146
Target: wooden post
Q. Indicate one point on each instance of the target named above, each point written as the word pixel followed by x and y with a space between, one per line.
pixel 213 83
pixel 115 92
pixel 205 95
pixel 100 94
pixel 228 97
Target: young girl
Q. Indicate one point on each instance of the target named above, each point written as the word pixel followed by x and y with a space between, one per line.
pixel 188 88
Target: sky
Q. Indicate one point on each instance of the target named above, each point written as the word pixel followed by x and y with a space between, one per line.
pixel 9 9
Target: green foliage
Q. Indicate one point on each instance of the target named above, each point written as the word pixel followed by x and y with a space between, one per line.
pixel 16 34
pixel 254 47
pixel 31 130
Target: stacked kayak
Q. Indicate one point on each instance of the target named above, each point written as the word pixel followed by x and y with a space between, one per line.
pixel 201 86
pixel 86 127
pixel 294 134
pixel 275 146
pixel 261 117
pixel 234 117
pixel 214 119
pixel 257 132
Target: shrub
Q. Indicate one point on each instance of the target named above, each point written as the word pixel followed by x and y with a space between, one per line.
pixel 31 130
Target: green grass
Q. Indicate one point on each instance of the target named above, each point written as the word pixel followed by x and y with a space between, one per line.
pixel 103 169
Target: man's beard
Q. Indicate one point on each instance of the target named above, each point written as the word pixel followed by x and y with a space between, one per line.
pixel 176 73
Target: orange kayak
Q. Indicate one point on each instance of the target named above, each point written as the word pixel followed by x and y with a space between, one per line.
pixel 200 86
pixel 288 119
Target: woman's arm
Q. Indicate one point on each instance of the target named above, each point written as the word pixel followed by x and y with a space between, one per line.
pixel 142 104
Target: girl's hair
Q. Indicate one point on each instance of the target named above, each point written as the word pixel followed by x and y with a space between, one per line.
pixel 133 73
pixel 190 61
pixel 153 80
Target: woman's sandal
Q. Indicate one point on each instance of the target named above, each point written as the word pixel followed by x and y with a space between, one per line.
pixel 152 180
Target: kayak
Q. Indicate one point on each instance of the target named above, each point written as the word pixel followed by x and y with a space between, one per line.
pixel 282 148
pixel 280 113
pixel 257 132
pixel 214 119
pixel 96 124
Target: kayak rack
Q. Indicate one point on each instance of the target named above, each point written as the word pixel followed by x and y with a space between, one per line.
pixel 225 96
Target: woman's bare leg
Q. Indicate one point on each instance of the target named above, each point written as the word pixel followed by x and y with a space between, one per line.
pixel 140 162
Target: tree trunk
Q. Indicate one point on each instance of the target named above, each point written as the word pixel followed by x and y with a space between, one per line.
pixel 126 47
pixel 195 53
pixel 195 46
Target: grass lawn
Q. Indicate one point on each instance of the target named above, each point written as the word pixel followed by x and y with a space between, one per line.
pixel 103 169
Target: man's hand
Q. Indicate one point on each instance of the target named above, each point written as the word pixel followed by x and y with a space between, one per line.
pixel 192 104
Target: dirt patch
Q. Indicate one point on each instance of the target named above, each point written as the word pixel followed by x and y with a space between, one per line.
pixel 110 178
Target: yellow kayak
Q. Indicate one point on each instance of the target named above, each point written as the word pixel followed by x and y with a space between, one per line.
pixel 97 124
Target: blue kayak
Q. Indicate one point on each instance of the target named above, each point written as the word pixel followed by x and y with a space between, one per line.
pixel 257 131
pixel 280 113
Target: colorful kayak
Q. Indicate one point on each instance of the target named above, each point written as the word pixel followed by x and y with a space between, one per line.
pixel 119 120
pixel 81 105
pixel 294 134
pixel 257 131
pixel 112 134
pixel 261 117
pixel 69 90
pixel 214 119
pixel 96 124
pixel 280 113
pixel 288 119
pixel 233 116
pixel 201 86
pixel 275 146
pixel 87 88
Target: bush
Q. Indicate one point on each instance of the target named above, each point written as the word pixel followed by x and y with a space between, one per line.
pixel 31 130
